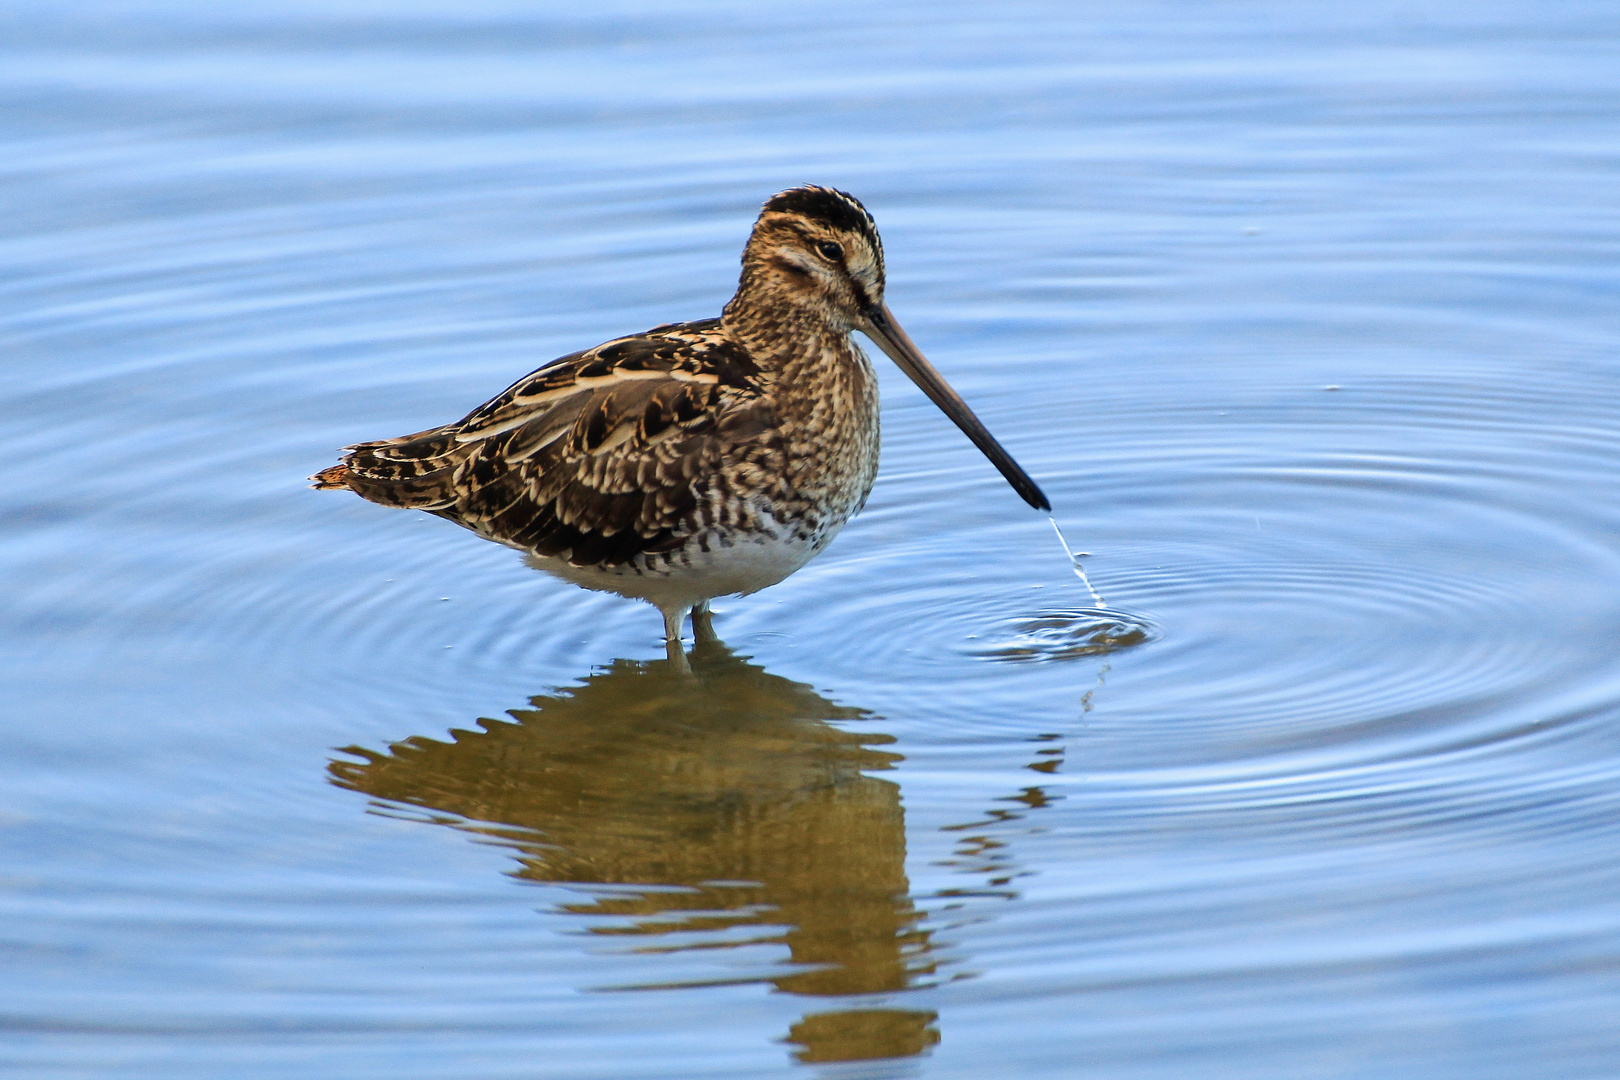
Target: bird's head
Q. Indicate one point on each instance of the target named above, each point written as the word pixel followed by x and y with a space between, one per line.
pixel 817 247
pixel 815 256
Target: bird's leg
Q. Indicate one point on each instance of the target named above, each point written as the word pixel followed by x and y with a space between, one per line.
pixel 673 617
pixel 703 625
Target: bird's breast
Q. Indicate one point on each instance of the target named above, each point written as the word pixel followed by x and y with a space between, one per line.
pixel 828 428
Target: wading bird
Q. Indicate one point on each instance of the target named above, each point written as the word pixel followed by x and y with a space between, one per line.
pixel 696 459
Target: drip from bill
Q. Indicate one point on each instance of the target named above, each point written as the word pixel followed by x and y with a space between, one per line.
pixel 1074 563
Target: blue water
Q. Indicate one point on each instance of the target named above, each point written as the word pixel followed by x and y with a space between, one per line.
pixel 1303 315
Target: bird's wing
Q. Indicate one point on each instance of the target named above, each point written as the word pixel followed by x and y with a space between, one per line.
pixel 595 458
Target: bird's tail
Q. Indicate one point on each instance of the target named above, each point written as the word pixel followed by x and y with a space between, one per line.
pixel 331 479
pixel 415 471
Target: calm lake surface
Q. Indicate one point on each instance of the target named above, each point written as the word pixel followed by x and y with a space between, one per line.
pixel 1304 315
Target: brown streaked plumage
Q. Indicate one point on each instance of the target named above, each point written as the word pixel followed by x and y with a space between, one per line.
pixel 693 460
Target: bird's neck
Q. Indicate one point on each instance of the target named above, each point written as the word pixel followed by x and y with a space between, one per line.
pixel 783 325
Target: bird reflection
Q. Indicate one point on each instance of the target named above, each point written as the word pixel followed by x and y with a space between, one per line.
pixel 709 811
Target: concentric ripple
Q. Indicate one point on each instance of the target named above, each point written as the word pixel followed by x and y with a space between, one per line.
pixel 1266 599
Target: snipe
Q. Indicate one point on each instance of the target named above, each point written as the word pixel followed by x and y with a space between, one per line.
pixel 697 459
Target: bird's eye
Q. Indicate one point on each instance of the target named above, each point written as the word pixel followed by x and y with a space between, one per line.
pixel 830 251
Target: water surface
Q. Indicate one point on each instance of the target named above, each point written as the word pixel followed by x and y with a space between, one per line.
pixel 1303 317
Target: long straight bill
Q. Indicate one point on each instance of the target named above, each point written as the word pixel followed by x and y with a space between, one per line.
pixel 881 328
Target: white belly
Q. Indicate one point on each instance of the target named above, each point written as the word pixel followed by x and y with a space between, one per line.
pixel 736 564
